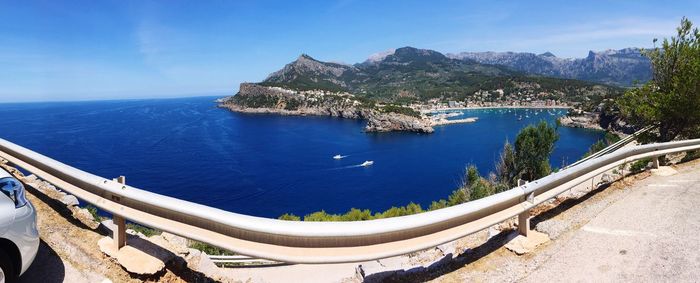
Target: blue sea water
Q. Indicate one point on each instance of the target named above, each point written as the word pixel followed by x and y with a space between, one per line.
pixel 267 165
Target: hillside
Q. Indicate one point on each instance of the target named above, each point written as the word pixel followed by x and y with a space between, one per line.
pixel 417 75
pixel 623 67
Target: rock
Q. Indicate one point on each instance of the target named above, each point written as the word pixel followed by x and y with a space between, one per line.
pixel 178 244
pixel 388 122
pixel 664 171
pixel 30 179
pixel 520 244
pixel 135 260
pixel 205 265
pixel 70 200
pixel 448 248
pixel 585 120
pixel 85 217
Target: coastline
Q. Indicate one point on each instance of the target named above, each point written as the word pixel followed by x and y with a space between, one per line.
pixel 423 111
pixel 376 121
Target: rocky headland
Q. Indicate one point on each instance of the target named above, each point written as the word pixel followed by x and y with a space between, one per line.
pixel 255 98
pixel 601 118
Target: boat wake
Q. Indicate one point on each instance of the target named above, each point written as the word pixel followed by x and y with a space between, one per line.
pixel 348 167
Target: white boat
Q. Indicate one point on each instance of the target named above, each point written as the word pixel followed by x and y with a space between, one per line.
pixel 367 163
pixel 338 156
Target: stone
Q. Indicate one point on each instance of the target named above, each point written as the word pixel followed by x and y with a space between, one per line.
pixel 520 244
pixel 664 171
pixel 70 200
pixel 448 248
pixel 179 244
pixel 85 217
pixel 139 256
pixel 30 179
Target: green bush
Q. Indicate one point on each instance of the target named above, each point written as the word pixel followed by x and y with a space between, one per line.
pixel 609 139
pixel 691 155
pixel 639 165
pixel 93 211
pixel 533 146
pixel 143 229
pixel 208 249
pixel 289 217
pixel 391 108
pixel 435 205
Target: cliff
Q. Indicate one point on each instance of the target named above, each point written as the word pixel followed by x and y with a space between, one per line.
pixel 254 98
pixel 599 119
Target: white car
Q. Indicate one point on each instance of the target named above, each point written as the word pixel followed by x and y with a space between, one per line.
pixel 19 237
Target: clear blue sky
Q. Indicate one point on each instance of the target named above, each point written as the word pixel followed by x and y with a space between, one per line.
pixel 78 50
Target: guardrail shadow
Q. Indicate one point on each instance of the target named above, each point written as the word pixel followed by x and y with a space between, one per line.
pixel 445 265
pixel 449 264
pixel 173 262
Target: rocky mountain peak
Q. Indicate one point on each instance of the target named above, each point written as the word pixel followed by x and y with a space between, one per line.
pixel 411 53
pixel 616 67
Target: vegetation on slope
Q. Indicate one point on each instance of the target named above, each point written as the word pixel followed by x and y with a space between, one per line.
pixel 671 99
pixel 411 75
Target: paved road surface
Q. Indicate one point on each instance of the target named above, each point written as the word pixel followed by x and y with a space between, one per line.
pixel 651 235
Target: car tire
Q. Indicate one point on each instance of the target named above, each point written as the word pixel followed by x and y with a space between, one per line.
pixel 8 269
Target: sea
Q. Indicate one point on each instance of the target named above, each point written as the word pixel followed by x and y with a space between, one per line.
pixel 267 165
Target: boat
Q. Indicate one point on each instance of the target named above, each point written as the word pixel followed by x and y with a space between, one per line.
pixel 367 163
pixel 338 157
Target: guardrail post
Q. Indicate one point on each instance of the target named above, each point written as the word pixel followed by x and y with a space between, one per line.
pixel 656 162
pixel 524 217
pixel 119 232
pixel 524 223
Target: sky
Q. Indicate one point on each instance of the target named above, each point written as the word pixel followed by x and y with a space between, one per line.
pixel 86 50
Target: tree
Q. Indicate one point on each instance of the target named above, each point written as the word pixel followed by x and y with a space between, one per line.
pixel 671 99
pixel 506 171
pixel 533 145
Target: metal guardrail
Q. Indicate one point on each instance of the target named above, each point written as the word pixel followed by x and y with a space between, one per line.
pixel 613 147
pixel 320 242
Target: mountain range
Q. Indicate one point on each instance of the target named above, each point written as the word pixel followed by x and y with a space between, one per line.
pixel 624 67
pixel 410 74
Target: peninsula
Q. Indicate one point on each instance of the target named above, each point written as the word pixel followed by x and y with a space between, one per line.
pixel 399 91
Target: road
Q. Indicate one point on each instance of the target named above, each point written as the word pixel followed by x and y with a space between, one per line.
pixel 650 235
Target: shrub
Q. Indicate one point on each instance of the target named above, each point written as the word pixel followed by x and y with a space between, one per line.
pixel 391 108
pixel 208 249
pixel 691 155
pixel 319 216
pixel 93 211
pixel 438 204
pixel 480 189
pixel 146 231
pixel 289 217
pixel 639 165
pixel 533 146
